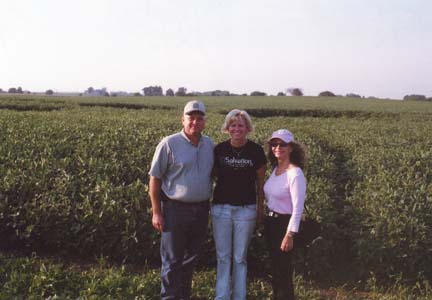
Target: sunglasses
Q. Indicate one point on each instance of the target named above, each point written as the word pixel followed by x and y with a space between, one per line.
pixel 195 118
pixel 280 144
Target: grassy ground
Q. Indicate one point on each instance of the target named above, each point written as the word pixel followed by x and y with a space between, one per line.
pixel 46 278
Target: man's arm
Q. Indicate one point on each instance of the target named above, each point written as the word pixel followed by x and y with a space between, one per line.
pixel 154 192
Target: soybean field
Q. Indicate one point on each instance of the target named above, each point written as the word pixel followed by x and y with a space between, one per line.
pixel 74 184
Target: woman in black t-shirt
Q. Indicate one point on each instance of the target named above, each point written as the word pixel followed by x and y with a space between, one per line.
pixel 240 166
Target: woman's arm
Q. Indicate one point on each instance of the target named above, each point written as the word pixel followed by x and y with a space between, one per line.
pixel 260 193
pixel 297 187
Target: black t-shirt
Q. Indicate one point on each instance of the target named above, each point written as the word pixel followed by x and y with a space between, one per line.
pixel 236 172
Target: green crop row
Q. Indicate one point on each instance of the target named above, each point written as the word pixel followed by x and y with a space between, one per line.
pixel 329 105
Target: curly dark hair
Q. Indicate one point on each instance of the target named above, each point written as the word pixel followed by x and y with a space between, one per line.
pixel 298 155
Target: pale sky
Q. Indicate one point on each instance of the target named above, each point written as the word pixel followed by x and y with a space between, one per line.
pixel 379 48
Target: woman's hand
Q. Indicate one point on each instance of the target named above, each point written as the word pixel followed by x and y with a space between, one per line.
pixel 287 242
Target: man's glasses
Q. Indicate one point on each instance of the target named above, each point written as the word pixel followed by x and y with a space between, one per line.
pixel 280 144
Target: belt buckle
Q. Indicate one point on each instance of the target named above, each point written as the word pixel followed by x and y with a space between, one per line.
pixel 273 214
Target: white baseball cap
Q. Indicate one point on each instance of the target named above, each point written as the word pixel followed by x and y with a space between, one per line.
pixel 192 106
pixel 283 134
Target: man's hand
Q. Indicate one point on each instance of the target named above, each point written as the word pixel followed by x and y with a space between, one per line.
pixel 154 192
pixel 158 222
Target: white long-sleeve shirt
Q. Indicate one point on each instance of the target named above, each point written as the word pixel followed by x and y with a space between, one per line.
pixel 286 194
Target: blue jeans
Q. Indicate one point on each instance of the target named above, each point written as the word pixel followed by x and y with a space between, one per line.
pixel 184 233
pixel 232 231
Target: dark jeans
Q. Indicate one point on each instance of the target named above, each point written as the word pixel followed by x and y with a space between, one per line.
pixel 281 262
pixel 183 235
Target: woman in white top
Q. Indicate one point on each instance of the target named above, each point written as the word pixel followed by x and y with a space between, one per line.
pixel 285 191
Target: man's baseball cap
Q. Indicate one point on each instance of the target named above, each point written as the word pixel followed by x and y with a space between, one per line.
pixel 192 106
pixel 283 134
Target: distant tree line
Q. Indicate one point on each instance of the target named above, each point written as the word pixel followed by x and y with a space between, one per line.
pixel 156 90
pixel 295 92
pixel 352 95
pixel 326 94
pixel 416 98
pixel 258 93
pixel 182 91
pixel 169 93
pixel 14 90
pixel 152 91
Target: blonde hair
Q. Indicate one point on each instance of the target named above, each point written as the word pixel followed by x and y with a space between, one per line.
pixel 235 115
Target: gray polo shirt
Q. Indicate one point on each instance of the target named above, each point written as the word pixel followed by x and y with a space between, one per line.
pixel 185 169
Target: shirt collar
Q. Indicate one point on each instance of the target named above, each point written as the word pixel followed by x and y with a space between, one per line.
pixel 188 140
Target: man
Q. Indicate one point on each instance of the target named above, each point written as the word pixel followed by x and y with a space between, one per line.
pixel 180 189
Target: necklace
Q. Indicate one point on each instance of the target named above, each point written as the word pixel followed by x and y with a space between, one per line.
pixel 237 152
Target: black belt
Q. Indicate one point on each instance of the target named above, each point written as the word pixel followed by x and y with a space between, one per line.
pixel 201 203
pixel 164 197
pixel 274 214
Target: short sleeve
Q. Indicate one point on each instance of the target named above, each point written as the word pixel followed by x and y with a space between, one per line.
pixel 261 158
pixel 160 160
pixel 216 152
